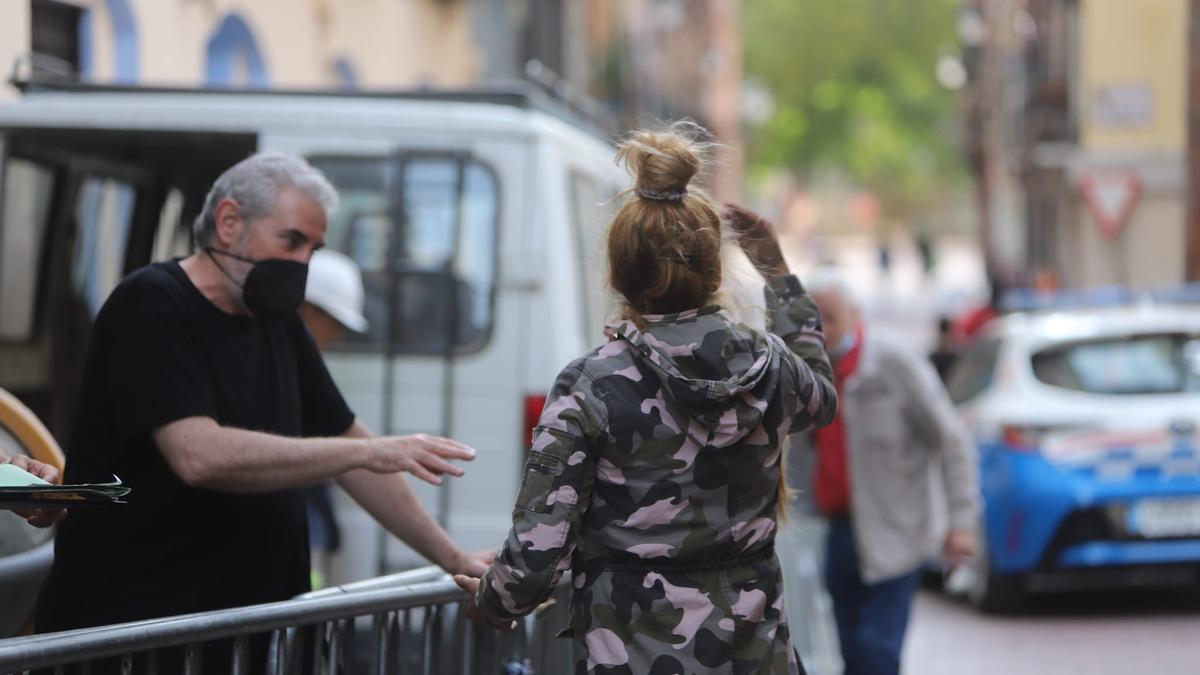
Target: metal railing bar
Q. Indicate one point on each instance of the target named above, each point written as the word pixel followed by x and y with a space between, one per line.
pixel 405 632
pixel 295 650
pixel 94 643
pixel 426 638
pixel 238 656
pixel 379 629
pixel 277 644
pixel 335 648
pixel 417 576
pixel 468 640
pixel 438 623
pixel 349 630
pixel 318 646
pixel 191 659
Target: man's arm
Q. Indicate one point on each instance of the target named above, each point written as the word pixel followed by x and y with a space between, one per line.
pixel 391 501
pixel 205 454
pixel 938 426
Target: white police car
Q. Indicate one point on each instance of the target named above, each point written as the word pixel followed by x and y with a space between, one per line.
pixel 1086 423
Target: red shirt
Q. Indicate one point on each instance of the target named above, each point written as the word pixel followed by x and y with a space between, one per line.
pixel 831 483
pixel 967 326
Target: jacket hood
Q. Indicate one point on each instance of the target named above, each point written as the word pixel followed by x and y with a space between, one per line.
pixel 719 372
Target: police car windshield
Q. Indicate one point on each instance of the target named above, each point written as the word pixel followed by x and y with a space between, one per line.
pixel 1142 364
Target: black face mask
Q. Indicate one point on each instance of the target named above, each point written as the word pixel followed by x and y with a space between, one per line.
pixel 273 287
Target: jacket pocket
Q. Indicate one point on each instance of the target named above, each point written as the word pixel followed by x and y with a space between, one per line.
pixel 543 474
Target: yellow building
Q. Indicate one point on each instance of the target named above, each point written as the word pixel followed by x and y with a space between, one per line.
pixel 264 43
pixel 1104 129
pixel 1132 121
pixel 1078 108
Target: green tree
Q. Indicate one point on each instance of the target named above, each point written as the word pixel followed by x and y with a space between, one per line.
pixel 855 91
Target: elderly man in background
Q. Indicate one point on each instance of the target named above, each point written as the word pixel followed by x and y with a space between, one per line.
pixel 895 459
pixel 204 392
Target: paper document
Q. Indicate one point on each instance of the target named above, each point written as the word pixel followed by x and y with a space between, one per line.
pixel 18 486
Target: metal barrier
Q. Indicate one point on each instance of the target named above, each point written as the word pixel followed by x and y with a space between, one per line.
pixel 810 611
pixel 409 623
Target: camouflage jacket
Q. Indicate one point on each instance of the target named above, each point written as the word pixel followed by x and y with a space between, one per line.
pixel 654 476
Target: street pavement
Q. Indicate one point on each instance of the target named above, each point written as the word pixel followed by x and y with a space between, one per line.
pixel 1125 633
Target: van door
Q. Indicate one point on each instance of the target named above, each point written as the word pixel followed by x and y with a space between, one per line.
pixel 424 225
pixel 80 209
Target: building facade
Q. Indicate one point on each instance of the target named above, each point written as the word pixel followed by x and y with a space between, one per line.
pixel 1067 94
pixel 641 60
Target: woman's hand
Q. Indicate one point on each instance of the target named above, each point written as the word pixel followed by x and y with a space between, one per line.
pixel 757 238
pixel 471 586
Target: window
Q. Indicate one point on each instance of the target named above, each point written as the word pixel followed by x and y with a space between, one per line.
pixel 1144 364
pixel 54 37
pixel 102 215
pixel 592 209
pixel 24 211
pixel 172 238
pixel 973 374
pixel 429 267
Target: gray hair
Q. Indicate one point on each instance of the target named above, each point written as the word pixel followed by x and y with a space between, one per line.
pixel 830 280
pixel 254 183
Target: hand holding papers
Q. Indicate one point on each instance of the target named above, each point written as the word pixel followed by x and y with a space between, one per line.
pixel 21 488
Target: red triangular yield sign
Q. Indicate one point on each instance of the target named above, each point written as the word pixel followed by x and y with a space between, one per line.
pixel 1110 197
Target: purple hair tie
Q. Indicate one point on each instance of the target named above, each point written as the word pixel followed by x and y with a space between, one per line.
pixel 661 196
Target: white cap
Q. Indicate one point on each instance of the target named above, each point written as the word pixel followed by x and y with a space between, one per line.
pixel 335 285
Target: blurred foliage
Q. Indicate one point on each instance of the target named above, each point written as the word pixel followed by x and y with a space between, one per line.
pixel 855 91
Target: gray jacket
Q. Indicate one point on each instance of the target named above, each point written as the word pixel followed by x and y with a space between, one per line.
pixel 913 470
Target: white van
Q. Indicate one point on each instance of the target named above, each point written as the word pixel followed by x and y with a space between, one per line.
pixel 475 216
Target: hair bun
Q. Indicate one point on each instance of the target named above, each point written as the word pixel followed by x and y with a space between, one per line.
pixel 664 162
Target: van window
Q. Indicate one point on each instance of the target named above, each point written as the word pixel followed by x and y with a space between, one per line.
pixel 27 188
pixel 593 206
pixel 439 247
pixel 102 215
pixel 172 237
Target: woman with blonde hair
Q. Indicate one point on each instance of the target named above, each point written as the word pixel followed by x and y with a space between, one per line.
pixel 654 474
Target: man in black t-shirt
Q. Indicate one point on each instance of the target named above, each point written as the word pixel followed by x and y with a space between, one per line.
pixel 204 393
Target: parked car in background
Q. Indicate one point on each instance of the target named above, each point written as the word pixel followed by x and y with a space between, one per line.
pixel 1086 423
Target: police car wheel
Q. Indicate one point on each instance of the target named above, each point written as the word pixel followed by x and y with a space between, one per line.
pixel 994 593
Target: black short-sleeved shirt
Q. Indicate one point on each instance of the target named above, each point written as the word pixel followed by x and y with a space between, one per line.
pixel 162 352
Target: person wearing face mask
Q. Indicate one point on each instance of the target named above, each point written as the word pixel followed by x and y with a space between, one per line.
pixel 204 392
pixel 895 477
